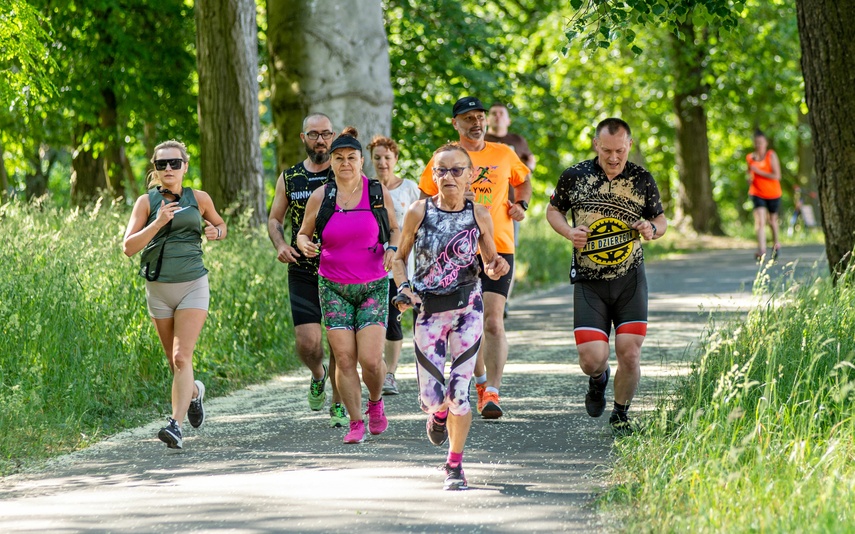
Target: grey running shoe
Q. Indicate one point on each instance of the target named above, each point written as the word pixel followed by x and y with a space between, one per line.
pixel 338 416
pixel 317 393
pixel 171 435
pixel 196 412
pixel 437 431
pixel 454 478
pixel 595 399
pixel 390 385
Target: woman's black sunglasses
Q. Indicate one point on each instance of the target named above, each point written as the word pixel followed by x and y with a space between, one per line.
pixel 175 164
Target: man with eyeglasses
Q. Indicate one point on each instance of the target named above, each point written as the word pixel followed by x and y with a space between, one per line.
pixel 497 170
pixel 293 188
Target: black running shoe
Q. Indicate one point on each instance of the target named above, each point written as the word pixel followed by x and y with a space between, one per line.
pixel 595 399
pixel 171 435
pixel 454 478
pixel 621 425
pixel 437 431
pixel 196 412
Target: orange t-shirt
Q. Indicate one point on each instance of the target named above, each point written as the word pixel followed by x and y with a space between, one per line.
pixel 760 186
pixel 497 168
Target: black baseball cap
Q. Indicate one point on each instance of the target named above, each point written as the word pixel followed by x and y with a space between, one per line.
pixel 345 141
pixel 467 103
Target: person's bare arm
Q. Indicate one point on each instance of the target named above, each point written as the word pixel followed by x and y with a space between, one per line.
pixel 557 219
pixel 521 192
pixel 412 220
pixel 495 266
pixel 309 248
pixel 276 224
pixel 652 229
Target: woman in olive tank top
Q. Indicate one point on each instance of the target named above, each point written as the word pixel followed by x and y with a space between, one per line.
pixel 166 225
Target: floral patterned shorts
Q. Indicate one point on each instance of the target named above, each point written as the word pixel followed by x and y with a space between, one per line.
pixel 354 306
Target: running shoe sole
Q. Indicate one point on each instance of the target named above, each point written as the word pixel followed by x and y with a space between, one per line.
pixel 172 440
pixel 491 410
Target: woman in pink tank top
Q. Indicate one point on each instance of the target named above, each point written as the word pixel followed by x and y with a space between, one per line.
pixel 352 282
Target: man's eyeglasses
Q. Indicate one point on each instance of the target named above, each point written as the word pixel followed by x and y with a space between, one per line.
pixel 456 172
pixel 175 164
pixel 314 135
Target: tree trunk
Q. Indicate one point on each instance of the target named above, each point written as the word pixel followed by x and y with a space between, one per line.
pixel 229 125
pixel 35 182
pixel 110 130
pixel 88 177
pixel 692 145
pixel 340 70
pixel 4 177
pixel 827 35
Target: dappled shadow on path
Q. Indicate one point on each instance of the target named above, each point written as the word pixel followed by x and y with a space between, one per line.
pixel 264 463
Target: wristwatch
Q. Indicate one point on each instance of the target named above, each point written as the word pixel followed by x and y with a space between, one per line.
pixel 523 204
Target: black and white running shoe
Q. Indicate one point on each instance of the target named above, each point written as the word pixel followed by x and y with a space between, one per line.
pixel 171 435
pixel 196 412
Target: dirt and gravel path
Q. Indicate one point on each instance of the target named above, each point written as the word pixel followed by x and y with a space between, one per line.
pixel 264 463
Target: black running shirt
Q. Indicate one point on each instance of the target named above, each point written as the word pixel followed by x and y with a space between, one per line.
pixel 299 186
pixel 608 208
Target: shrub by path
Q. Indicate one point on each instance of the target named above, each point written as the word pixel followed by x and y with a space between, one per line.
pixel 264 463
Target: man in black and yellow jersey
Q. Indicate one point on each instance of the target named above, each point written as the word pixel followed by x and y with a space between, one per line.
pixel 293 189
pixel 613 203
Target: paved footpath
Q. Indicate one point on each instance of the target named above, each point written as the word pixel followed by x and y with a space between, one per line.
pixel 264 463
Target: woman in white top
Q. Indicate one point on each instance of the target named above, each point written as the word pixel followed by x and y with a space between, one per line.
pixel 384 157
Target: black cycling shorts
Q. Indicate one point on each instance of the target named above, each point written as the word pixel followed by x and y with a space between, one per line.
pixel 599 304
pixel 502 286
pixel 305 302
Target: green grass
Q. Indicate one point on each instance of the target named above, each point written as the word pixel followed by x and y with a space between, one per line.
pixel 761 436
pixel 79 357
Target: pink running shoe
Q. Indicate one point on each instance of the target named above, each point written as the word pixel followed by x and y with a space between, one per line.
pixel 377 422
pixel 357 432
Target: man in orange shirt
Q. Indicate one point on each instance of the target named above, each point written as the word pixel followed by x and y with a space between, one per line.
pixel 497 170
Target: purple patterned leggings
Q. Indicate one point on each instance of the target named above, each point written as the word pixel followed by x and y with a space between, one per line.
pixel 454 333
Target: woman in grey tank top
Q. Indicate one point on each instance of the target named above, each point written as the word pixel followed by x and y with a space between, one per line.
pixel 444 233
pixel 167 225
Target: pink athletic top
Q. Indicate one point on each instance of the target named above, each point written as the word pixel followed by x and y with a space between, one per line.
pixel 350 250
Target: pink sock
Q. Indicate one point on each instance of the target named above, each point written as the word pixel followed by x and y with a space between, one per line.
pixel 441 415
pixel 454 458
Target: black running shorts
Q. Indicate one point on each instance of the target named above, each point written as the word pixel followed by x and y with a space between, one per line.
pixel 502 286
pixel 305 302
pixel 772 205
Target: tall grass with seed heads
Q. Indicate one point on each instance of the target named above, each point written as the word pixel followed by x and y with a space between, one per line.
pixel 761 436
